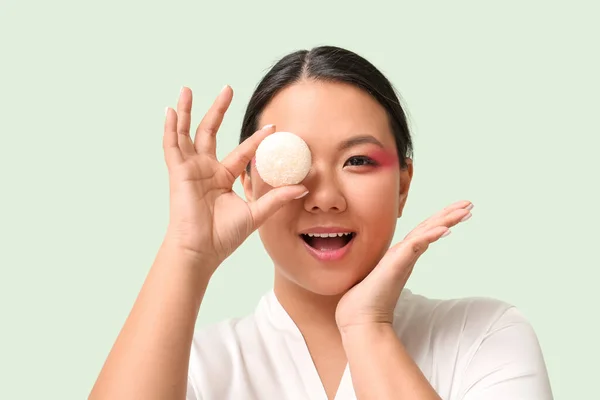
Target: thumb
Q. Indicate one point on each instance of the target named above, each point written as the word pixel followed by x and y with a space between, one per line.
pixel 273 200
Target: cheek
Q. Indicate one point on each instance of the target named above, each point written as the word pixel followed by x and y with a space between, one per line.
pixel 374 194
pixel 373 202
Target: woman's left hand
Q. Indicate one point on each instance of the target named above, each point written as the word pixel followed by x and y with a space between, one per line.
pixel 372 301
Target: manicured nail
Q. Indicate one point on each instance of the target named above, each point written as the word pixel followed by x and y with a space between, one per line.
pixel 267 126
pixel 466 217
pixel 469 207
pixel 446 233
pixel 166 111
pixel 301 196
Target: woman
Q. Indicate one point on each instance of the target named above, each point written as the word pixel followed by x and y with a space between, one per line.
pixel 339 322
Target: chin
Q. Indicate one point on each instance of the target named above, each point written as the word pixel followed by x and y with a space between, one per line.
pixel 329 282
pixel 324 288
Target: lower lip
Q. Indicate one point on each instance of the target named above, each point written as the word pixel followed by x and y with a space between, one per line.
pixel 329 255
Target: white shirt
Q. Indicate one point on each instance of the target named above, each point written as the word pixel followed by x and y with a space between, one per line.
pixel 469 349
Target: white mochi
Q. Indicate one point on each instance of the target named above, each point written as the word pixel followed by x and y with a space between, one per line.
pixel 283 158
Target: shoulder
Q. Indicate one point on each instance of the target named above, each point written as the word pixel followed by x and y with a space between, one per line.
pixel 473 345
pixel 469 317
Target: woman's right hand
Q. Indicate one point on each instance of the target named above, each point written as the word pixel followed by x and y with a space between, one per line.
pixel 207 218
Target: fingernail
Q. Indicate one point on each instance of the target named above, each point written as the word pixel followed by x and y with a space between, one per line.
pixel 301 196
pixel 446 233
pixel 469 207
pixel 224 87
pixel 267 126
pixel 466 217
pixel 166 110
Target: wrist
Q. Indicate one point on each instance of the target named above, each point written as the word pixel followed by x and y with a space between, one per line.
pixel 364 333
pixel 182 257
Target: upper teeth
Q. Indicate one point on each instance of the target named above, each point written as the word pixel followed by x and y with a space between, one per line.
pixel 324 235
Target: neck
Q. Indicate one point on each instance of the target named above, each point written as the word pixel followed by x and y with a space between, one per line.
pixel 311 312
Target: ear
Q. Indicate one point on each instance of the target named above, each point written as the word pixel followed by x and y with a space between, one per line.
pixel 406 175
pixel 247 184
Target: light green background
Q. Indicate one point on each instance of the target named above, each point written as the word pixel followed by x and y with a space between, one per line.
pixel 502 97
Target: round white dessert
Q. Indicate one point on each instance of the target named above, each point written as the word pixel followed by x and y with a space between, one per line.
pixel 283 158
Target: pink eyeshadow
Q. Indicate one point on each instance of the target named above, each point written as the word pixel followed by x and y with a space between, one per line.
pixel 384 158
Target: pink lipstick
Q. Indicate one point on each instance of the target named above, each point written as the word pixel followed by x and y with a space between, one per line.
pixel 328 244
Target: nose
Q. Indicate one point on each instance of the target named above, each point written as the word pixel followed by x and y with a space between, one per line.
pixel 324 192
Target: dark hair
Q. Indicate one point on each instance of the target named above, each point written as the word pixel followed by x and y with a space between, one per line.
pixel 332 64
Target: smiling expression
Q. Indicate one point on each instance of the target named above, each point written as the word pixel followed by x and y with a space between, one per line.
pixel 333 237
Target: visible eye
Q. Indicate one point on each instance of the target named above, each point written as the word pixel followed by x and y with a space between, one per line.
pixel 359 161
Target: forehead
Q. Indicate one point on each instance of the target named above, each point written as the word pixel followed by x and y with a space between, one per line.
pixel 328 112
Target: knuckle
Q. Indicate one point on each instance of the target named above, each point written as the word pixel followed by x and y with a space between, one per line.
pixel 211 130
pixel 243 158
pixel 418 246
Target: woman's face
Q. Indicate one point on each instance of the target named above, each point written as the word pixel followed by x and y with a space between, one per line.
pixel 356 187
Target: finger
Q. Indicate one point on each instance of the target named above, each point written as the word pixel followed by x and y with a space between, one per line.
pixel 170 146
pixel 238 159
pixel 397 265
pixel 448 221
pixel 184 116
pixel 273 200
pixel 205 140
pixel 409 250
pixel 459 205
pixel 435 218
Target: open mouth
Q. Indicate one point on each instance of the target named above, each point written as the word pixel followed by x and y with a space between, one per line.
pixel 328 241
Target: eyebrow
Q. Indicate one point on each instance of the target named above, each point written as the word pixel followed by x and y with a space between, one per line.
pixel 360 139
